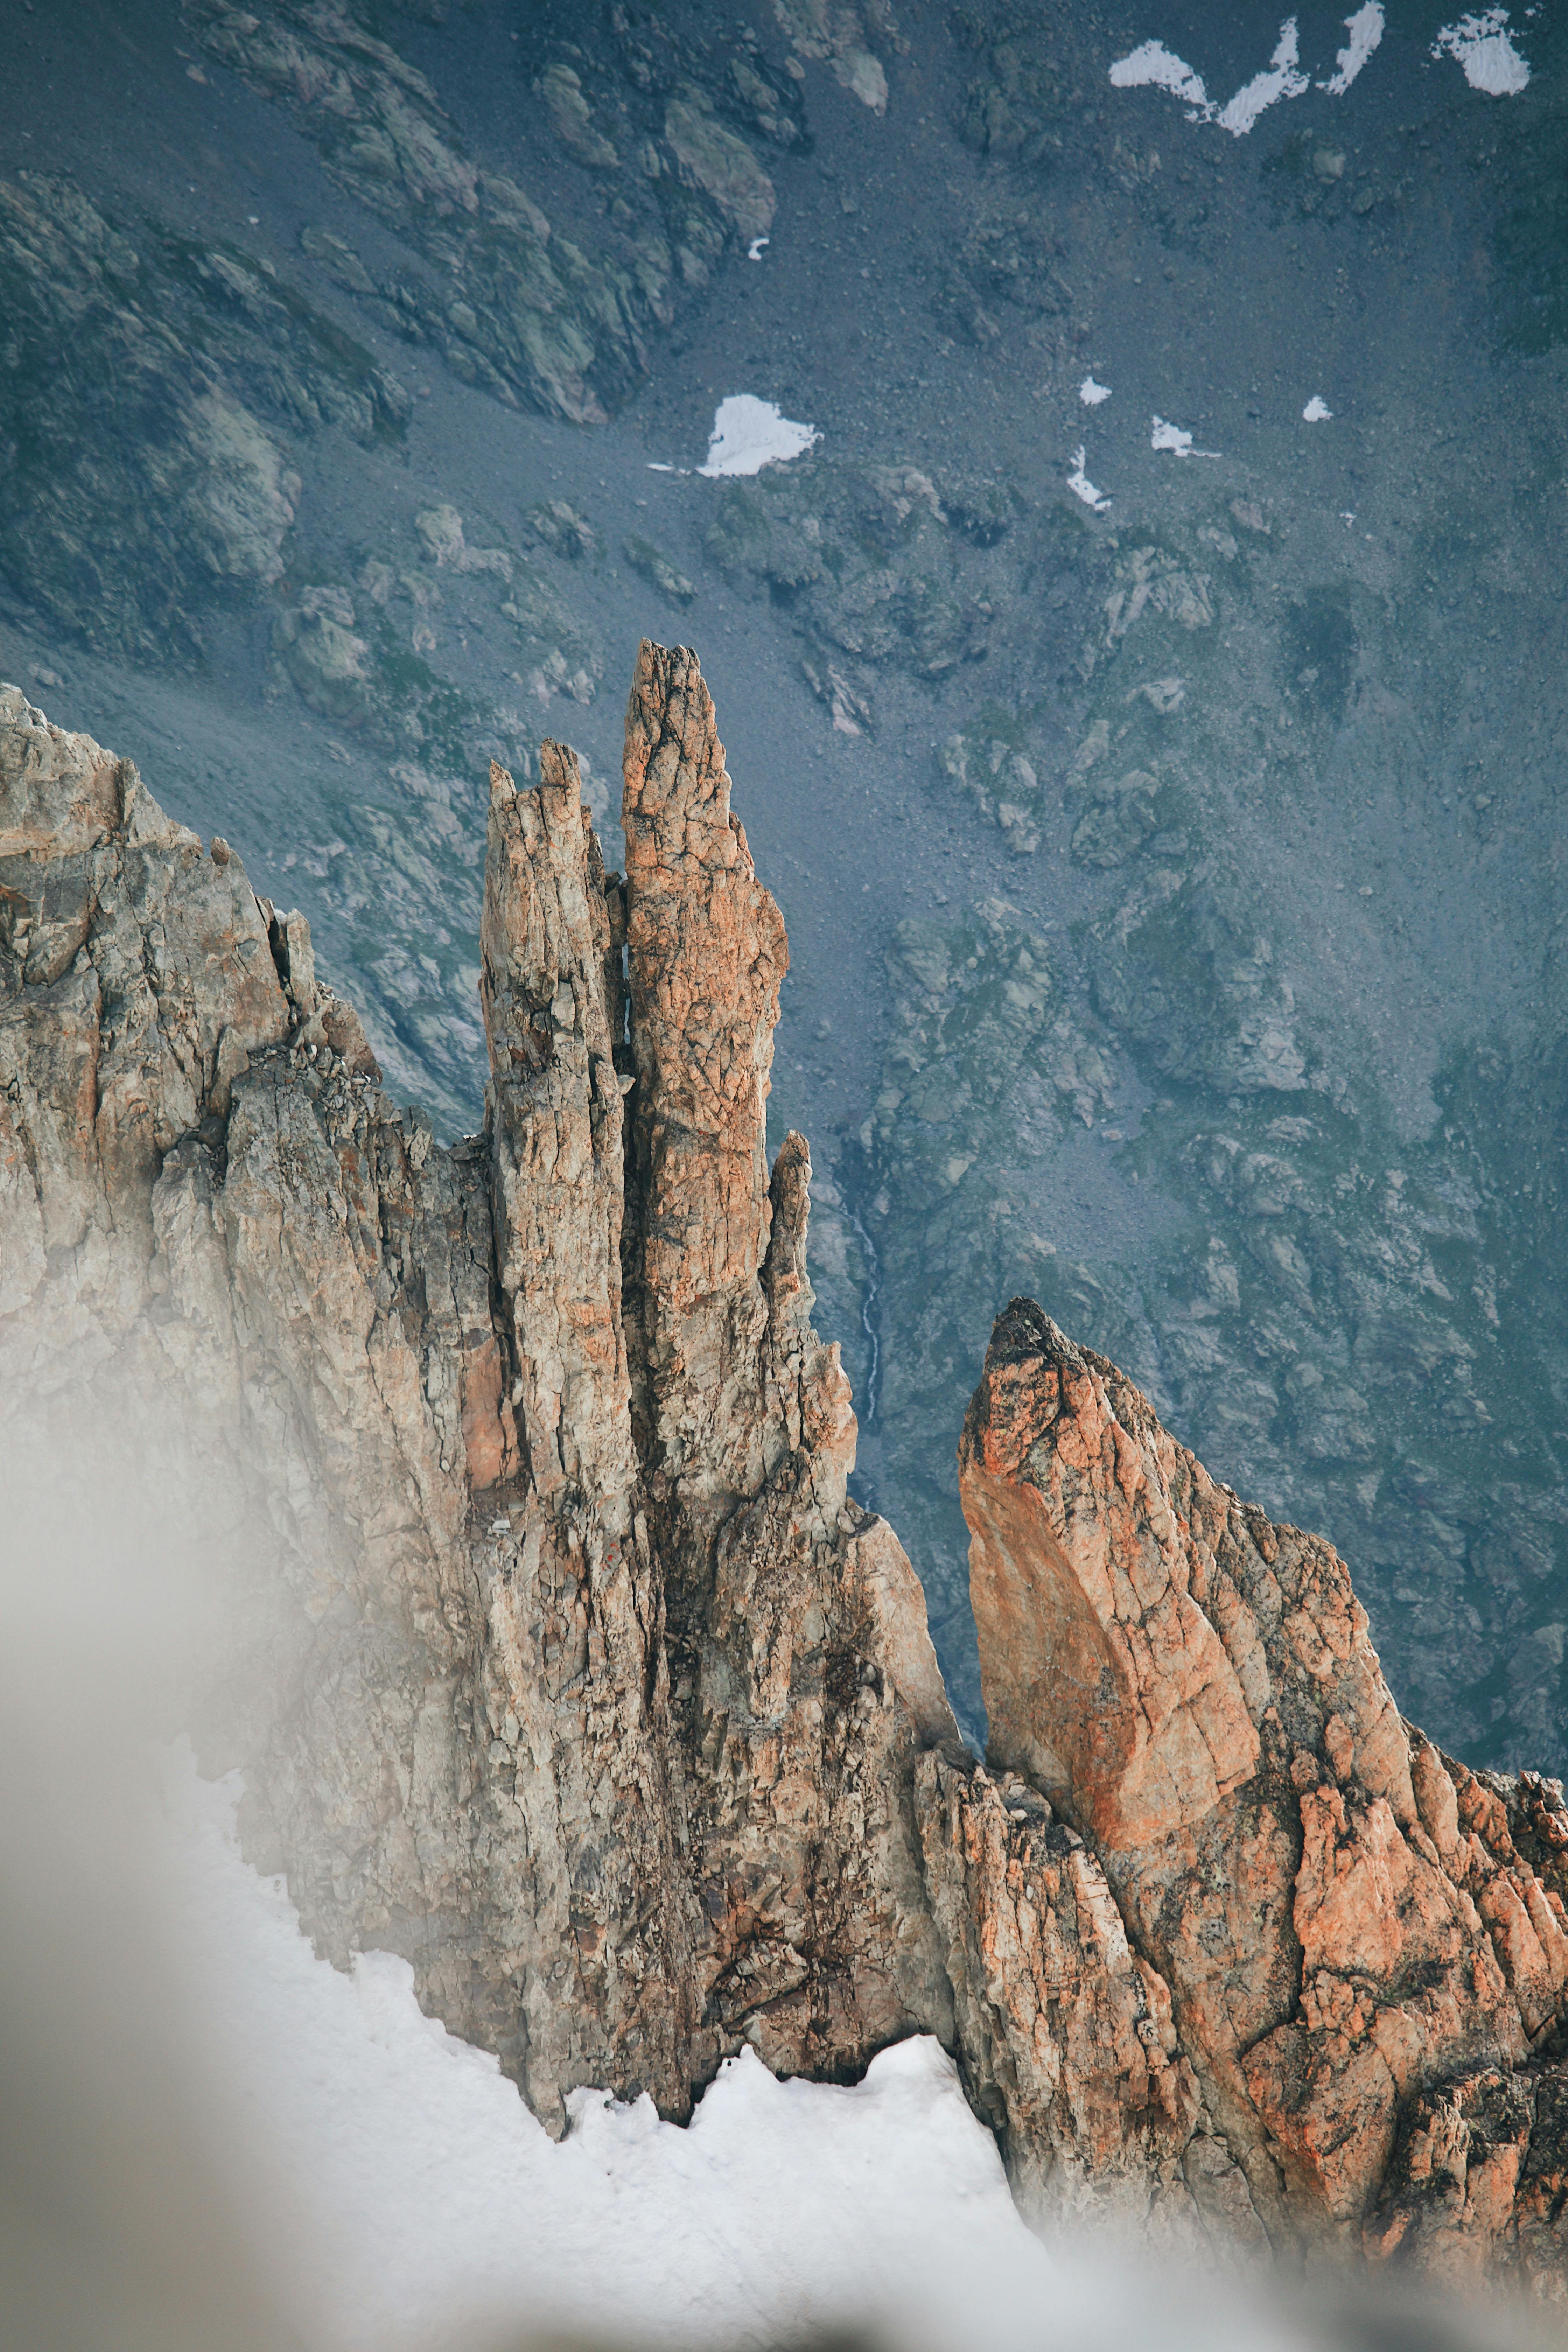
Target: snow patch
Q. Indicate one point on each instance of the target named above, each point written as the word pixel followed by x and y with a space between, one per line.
pixel 1317 411
pixel 1366 30
pixel 1482 47
pixel 749 433
pixel 1176 438
pixel 1283 79
pixel 1080 483
pixel 1093 393
pixel 403 2190
pixel 1153 67
pixel 757 247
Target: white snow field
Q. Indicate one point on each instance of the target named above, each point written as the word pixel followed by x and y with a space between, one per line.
pixel 1153 67
pixel 1479 43
pixel 1366 30
pixel 413 2191
pixel 1082 486
pixel 1284 79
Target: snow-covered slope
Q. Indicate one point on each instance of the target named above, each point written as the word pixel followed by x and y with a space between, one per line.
pixel 407 2188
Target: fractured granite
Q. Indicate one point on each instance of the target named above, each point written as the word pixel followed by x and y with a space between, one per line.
pixel 573 1673
pixel 562 1660
pixel 1345 1931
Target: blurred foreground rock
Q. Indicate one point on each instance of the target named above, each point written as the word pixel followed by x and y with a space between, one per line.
pixel 565 1665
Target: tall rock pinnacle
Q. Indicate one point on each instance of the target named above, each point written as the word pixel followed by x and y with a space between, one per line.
pixel 558 1153
pixel 707 956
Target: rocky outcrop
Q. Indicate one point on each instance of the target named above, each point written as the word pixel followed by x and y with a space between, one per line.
pixel 559 1658
pixel 556 314
pixel 574 1672
pixel 1352 1972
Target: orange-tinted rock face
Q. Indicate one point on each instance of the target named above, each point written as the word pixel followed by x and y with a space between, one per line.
pixel 1102 1673
pixel 1342 1916
pixel 707 956
pixel 557 1151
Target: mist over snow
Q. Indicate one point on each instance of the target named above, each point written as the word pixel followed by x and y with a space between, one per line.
pixel 413 2189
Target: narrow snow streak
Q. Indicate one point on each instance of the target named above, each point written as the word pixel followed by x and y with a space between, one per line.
pixel 1366 30
pixel 867 1318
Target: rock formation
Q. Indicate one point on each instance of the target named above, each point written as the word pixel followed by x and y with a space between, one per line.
pixel 565 1663
pixel 576 1675
pixel 1328 1961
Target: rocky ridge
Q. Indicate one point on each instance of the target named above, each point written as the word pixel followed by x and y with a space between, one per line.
pixel 569 1668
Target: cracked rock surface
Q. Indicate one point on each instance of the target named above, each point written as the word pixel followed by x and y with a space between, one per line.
pixel 561 1659
pixel 1322 1919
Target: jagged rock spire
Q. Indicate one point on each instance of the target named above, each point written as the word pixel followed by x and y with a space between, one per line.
pixel 638 1748
pixel 557 1148
pixel 1354 1954
pixel 708 955
pixel 1102 1674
